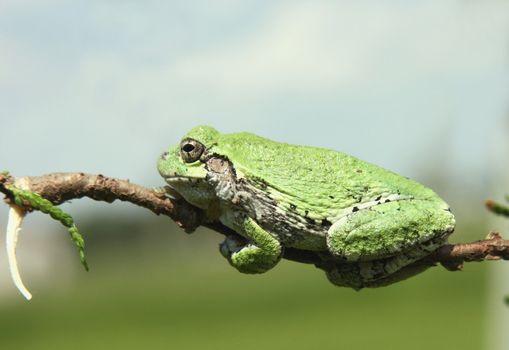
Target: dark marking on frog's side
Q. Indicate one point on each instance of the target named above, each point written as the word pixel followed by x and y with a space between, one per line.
pixel 219 165
pixel 222 177
pixel 251 197
pixel 326 222
pixel 306 212
pixel 354 209
pixel 378 198
pixel 331 197
pixel 387 200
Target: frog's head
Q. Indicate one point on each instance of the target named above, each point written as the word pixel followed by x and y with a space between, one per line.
pixel 187 160
pixel 185 166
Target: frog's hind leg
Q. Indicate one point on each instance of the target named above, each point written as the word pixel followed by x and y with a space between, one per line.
pixel 388 229
pixel 382 272
pixel 375 243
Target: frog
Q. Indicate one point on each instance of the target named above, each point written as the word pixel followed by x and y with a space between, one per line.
pixel 368 226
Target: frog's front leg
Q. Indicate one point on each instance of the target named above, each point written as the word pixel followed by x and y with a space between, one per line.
pixel 261 253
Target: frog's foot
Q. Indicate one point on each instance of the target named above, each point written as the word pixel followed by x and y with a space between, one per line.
pixel 232 244
pixel 359 275
pixel 258 254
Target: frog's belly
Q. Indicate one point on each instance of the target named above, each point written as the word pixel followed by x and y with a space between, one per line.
pixel 301 240
pixel 296 232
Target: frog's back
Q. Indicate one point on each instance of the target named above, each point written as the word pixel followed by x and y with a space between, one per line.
pixel 314 178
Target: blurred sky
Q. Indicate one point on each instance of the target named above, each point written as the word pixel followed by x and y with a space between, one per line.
pixel 105 86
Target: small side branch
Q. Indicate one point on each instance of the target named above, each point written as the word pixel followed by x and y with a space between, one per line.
pixel 452 256
pixel 61 187
pixel 498 208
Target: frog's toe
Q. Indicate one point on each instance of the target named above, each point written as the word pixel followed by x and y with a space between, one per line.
pixel 359 275
pixel 232 244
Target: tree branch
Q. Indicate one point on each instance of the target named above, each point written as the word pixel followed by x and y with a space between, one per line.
pixel 61 187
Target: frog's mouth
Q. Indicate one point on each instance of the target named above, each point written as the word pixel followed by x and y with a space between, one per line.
pixel 194 189
pixel 179 179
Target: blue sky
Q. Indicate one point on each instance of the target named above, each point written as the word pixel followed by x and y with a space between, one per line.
pixel 106 86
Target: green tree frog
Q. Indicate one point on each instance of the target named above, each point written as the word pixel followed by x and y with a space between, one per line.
pixel 369 225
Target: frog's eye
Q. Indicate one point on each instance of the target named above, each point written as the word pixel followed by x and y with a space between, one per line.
pixel 191 150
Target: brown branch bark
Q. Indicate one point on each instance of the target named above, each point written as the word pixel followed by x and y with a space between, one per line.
pixel 61 187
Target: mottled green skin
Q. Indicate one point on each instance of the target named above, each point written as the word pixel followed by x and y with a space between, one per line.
pixel 370 222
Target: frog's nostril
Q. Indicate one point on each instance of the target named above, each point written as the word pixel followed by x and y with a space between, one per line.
pixel 164 155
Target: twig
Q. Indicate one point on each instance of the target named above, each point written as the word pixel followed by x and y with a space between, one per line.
pixel 452 256
pixel 61 187
pixel 497 208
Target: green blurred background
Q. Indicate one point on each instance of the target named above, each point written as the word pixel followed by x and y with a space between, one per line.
pixel 152 286
pixel 107 86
